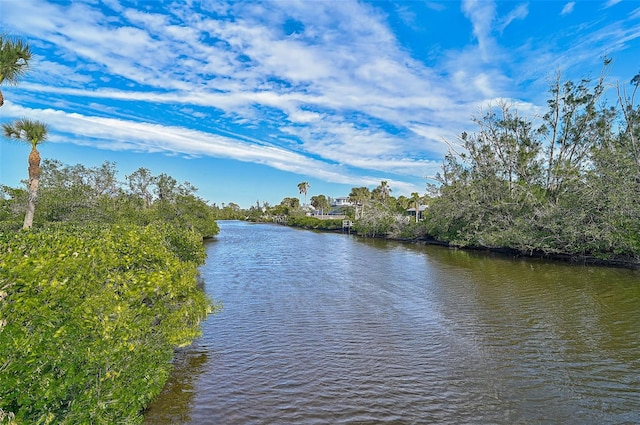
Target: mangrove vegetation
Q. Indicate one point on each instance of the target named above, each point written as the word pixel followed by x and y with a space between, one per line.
pixel 98 281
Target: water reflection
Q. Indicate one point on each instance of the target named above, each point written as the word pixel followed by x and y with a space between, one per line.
pixel 180 389
pixel 568 333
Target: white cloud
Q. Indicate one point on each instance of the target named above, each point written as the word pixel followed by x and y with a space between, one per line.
pixel 117 134
pixel 55 73
pixel 520 12
pixel 114 134
pixel 568 8
pixel 482 15
pixel 344 84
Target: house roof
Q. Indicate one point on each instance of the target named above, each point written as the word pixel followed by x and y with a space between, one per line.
pixel 420 208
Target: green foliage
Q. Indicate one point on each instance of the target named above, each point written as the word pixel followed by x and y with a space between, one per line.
pixel 287 207
pixel 410 230
pixel 186 211
pixel 231 211
pixel 12 204
pixel 257 212
pixel 320 202
pixel 572 186
pixel 90 318
pixel 379 220
pixel 15 56
pixel 382 191
pixel 307 222
pixel 78 194
pixel 186 244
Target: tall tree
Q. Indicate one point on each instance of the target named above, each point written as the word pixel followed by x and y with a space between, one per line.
pixel 303 187
pixel 287 206
pixel 34 133
pixel 14 61
pixel 166 188
pixel 506 147
pixel 320 202
pixel 571 127
pixel 359 196
pixel 103 179
pixel 631 115
pixel 140 183
pixel 383 191
pixel 415 197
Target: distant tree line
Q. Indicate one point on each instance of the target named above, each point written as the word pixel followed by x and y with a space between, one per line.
pixel 80 194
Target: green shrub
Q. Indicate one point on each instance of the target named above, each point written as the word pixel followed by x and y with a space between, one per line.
pixel 89 319
pixel 307 222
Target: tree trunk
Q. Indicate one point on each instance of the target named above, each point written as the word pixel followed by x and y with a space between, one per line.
pixel 34 182
pixel 31 203
pixel 1 98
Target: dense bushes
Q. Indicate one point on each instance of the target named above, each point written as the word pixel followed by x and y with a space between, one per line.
pixel 566 185
pixel 94 300
pixel 307 222
pixel 90 317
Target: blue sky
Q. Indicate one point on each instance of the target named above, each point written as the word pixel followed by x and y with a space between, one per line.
pixel 247 99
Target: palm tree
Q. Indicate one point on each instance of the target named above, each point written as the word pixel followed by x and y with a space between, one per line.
pixel 383 191
pixel 304 188
pixel 14 61
pixel 34 133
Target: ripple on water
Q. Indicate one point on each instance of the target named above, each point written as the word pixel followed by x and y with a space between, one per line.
pixel 326 328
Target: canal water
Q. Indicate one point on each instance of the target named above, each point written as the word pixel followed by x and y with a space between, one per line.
pixel 321 328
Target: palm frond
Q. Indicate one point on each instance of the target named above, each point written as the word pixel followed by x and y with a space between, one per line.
pixel 15 55
pixel 26 130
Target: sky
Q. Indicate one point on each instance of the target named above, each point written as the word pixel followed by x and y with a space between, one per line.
pixel 247 99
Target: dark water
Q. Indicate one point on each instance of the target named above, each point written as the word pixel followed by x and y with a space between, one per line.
pixel 331 329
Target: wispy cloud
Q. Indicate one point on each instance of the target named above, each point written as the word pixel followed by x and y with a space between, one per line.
pixel 519 12
pixel 116 134
pixel 610 3
pixel 568 8
pixel 482 16
pixel 256 66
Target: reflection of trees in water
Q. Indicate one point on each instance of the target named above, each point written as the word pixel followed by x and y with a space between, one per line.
pixel 174 403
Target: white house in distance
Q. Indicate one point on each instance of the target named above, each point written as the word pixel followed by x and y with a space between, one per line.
pixel 342 202
pixel 421 211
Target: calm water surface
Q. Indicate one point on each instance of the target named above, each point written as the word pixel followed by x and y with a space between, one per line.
pixel 330 329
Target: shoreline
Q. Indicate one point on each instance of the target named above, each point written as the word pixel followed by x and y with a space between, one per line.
pixel 586 260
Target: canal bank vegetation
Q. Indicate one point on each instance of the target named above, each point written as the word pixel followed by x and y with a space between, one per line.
pixel 90 317
pixel 97 293
pixel 561 183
